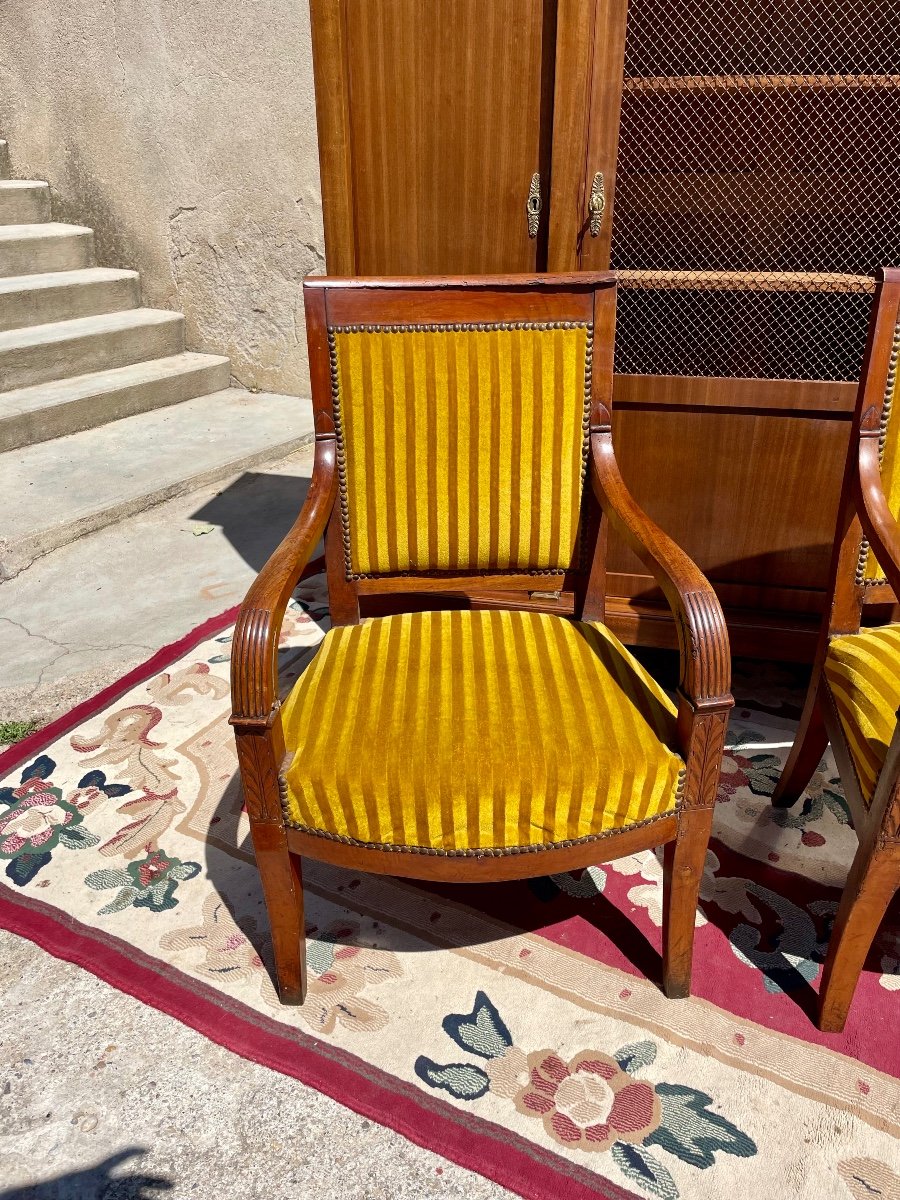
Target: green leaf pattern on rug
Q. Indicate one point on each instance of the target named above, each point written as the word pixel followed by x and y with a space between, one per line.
pixel 464 1081
pixel 592 1102
pixel 481 1032
pixel 148 883
pixel 822 794
pixel 692 1132
pixel 790 960
pixel 760 772
pixel 639 1054
pixel 639 1165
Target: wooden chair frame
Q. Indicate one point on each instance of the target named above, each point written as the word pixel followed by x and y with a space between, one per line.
pixel 863 513
pixel 703 695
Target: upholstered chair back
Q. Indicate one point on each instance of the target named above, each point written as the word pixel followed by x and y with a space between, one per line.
pixel 462 447
pixel 868 569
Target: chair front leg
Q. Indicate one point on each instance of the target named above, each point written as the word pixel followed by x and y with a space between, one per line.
pixel 871 884
pixel 810 744
pixel 685 859
pixel 279 870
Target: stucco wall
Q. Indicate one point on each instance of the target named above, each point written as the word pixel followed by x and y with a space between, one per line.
pixel 184 133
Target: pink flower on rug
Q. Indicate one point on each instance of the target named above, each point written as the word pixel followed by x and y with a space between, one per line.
pixel 34 819
pixel 588 1102
pixel 227 949
pixel 86 799
pixel 154 865
pixel 334 996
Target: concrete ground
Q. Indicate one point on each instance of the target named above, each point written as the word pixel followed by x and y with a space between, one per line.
pixel 101 1097
pixel 104 1098
pixel 81 616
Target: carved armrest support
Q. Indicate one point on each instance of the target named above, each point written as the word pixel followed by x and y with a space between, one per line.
pixel 702 635
pixel 878 522
pixel 254 651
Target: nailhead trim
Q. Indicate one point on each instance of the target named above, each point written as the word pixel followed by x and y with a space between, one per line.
pixel 457 328
pixel 583 555
pixel 679 787
pixel 341 455
pixel 485 851
pixel 486 572
pixel 886 407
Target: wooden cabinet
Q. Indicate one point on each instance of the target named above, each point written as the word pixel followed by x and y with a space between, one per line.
pixel 434 119
pixel 736 165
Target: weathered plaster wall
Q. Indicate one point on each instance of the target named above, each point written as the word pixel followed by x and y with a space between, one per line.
pixel 183 132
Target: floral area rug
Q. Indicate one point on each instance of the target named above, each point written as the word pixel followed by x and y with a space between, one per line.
pixel 519 1028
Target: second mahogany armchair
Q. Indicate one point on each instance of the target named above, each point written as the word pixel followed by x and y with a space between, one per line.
pixel 464 447
pixel 854 694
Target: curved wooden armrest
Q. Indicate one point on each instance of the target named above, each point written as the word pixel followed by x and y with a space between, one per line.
pixel 254 650
pixel 878 522
pixel 702 634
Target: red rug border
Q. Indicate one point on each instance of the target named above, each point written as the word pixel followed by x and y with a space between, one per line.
pixel 503 1157
pixel 16 754
pixel 372 1093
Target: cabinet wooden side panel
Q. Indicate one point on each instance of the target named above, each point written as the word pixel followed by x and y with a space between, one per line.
pixel 449 119
pixel 571 121
pixel 329 46
pixel 607 80
pixel 752 498
pixel 806 397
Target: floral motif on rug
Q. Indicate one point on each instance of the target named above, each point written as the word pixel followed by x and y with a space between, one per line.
pixel 593 1102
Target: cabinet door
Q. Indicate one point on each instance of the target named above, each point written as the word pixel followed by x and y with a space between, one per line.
pixel 433 119
pixel 590 47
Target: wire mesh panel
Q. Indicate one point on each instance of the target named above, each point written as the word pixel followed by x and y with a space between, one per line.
pixel 758 184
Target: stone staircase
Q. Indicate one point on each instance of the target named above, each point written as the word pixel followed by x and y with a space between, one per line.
pixel 103 412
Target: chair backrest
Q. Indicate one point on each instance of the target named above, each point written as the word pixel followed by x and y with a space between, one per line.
pixel 858 578
pixel 881 389
pixel 461 413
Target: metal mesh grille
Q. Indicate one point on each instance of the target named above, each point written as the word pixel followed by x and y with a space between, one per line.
pixel 757 184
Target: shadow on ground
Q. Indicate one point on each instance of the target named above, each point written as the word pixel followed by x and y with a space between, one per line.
pixel 98 1183
pixel 255 512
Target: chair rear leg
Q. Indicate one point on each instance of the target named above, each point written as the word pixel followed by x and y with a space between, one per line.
pixel 873 880
pixel 806 753
pixel 683 864
pixel 283 889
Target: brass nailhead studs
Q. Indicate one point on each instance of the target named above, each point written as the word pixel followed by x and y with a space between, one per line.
pixel 887 405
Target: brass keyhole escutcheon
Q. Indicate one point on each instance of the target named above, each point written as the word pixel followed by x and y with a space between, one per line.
pixel 533 205
pixel 597 203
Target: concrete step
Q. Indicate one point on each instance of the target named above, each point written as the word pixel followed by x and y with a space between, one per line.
pixel 60 490
pixel 63 295
pixel 24 201
pixel 27 249
pixel 50 410
pixel 4 160
pixel 62 349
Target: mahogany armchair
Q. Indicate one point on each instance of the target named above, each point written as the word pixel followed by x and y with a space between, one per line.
pixel 854 693
pixel 463 449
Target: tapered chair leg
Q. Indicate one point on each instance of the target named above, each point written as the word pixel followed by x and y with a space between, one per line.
pixel 873 880
pixel 283 889
pixel 683 864
pixel 810 744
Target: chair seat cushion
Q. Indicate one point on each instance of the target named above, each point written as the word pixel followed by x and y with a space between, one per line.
pixel 465 732
pixel 863 674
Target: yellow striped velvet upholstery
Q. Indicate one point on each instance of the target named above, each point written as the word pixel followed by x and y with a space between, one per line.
pixel 460 731
pixel 890 456
pixel 462 447
pixel 863 674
